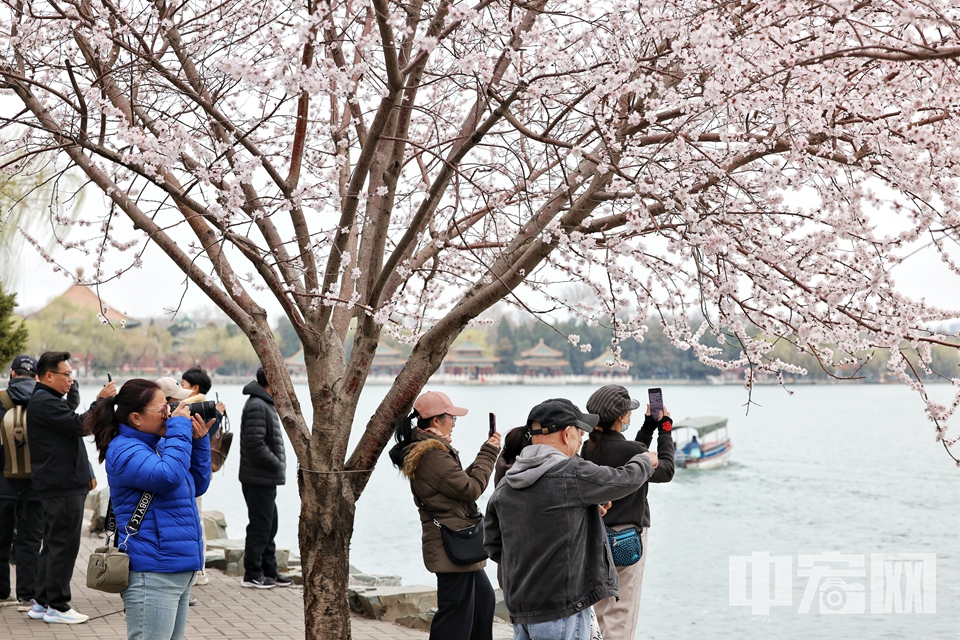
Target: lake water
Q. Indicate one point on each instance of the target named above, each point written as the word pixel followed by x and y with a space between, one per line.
pixel 838 469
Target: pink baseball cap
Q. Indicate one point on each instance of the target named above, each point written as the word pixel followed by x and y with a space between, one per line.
pixel 436 403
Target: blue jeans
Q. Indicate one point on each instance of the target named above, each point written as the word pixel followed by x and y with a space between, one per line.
pixel 156 605
pixel 576 627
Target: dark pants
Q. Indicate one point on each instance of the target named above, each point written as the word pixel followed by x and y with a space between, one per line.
pixel 465 604
pixel 260 548
pixel 27 517
pixel 62 521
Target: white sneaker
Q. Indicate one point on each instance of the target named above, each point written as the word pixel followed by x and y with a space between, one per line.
pixel 64 617
pixel 37 611
pixel 201 579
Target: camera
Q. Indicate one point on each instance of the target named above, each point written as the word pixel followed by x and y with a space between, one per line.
pixel 206 410
pixel 839 596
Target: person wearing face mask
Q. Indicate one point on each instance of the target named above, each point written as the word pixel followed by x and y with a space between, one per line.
pixel 445 491
pixel 609 447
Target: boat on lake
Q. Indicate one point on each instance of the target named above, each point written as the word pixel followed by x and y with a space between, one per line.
pixel 701 443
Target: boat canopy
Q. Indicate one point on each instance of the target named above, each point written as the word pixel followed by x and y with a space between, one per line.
pixel 702 425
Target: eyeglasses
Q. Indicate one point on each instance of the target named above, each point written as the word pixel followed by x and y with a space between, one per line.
pixel 453 418
pixel 64 373
pixel 162 409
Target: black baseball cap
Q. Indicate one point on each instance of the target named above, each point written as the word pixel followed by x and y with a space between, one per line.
pixel 24 364
pixel 557 414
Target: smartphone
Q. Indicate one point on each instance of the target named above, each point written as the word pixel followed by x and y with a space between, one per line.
pixel 656 401
pixel 493 425
pixel 109 377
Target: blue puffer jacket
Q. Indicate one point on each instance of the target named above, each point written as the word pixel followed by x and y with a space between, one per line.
pixel 177 469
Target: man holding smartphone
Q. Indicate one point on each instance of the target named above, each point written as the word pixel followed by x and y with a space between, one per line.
pixel 62 478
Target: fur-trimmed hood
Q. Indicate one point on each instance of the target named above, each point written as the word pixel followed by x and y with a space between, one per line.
pixel 416 451
pixel 442 487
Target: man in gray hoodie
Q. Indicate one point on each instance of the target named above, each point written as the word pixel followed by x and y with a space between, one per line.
pixel 543 525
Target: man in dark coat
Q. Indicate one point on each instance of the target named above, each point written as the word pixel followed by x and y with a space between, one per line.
pixel 262 468
pixel 20 506
pixel 62 477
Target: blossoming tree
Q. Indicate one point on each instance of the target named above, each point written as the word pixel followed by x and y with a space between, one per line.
pixel 405 166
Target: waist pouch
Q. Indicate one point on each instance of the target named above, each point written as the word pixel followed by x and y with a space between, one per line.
pixel 626 546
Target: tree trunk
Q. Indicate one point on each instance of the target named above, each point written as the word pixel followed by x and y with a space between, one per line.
pixel 327 515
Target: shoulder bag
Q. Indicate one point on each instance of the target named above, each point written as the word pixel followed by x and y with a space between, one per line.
pixel 626 546
pixel 220 444
pixel 463 546
pixel 108 568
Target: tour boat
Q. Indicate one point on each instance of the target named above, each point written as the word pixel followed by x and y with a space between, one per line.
pixel 701 443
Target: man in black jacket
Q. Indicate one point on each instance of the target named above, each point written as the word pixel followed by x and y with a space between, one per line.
pixel 19 504
pixel 262 469
pixel 62 478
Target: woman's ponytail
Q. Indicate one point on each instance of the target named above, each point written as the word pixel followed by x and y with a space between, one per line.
pixel 595 439
pixel 403 434
pixel 103 424
pixel 108 414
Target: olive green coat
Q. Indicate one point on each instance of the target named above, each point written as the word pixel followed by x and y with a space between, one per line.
pixel 449 492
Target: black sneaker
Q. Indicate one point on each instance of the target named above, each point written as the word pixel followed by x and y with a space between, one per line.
pixel 263 582
pixel 282 581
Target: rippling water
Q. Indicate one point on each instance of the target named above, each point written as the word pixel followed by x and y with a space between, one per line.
pixel 848 469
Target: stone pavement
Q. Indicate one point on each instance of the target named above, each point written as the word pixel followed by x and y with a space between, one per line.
pixel 225 610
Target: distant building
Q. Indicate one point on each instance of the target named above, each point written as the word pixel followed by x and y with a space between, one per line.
pixel 295 364
pixel 542 362
pixel 387 361
pixel 183 326
pixel 70 311
pixel 606 365
pixel 468 359
pixel 82 296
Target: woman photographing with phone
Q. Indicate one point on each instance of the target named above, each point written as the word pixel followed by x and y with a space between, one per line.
pixel 608 446
pixel 446 493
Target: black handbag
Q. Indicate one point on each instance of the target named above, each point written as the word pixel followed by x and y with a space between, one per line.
pixel 626 546
pixel 463 546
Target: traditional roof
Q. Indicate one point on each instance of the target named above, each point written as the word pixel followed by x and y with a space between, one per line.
pixel 541 350
pixel 607 360
pixel 296 360
pixel 542 357
pixel 387 356
pixel 82 296
pixel 469 353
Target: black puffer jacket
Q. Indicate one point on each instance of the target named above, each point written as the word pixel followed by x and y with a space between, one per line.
pixel 58 456
pixel 262 458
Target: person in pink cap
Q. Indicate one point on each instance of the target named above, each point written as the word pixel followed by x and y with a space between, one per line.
pixel 446 492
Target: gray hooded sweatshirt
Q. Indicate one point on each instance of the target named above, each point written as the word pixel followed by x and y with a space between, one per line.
pixel 543 527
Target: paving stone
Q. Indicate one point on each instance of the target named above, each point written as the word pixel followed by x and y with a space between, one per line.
pixel 225 610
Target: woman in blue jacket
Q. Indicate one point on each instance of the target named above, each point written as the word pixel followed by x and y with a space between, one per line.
pixel 146 448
